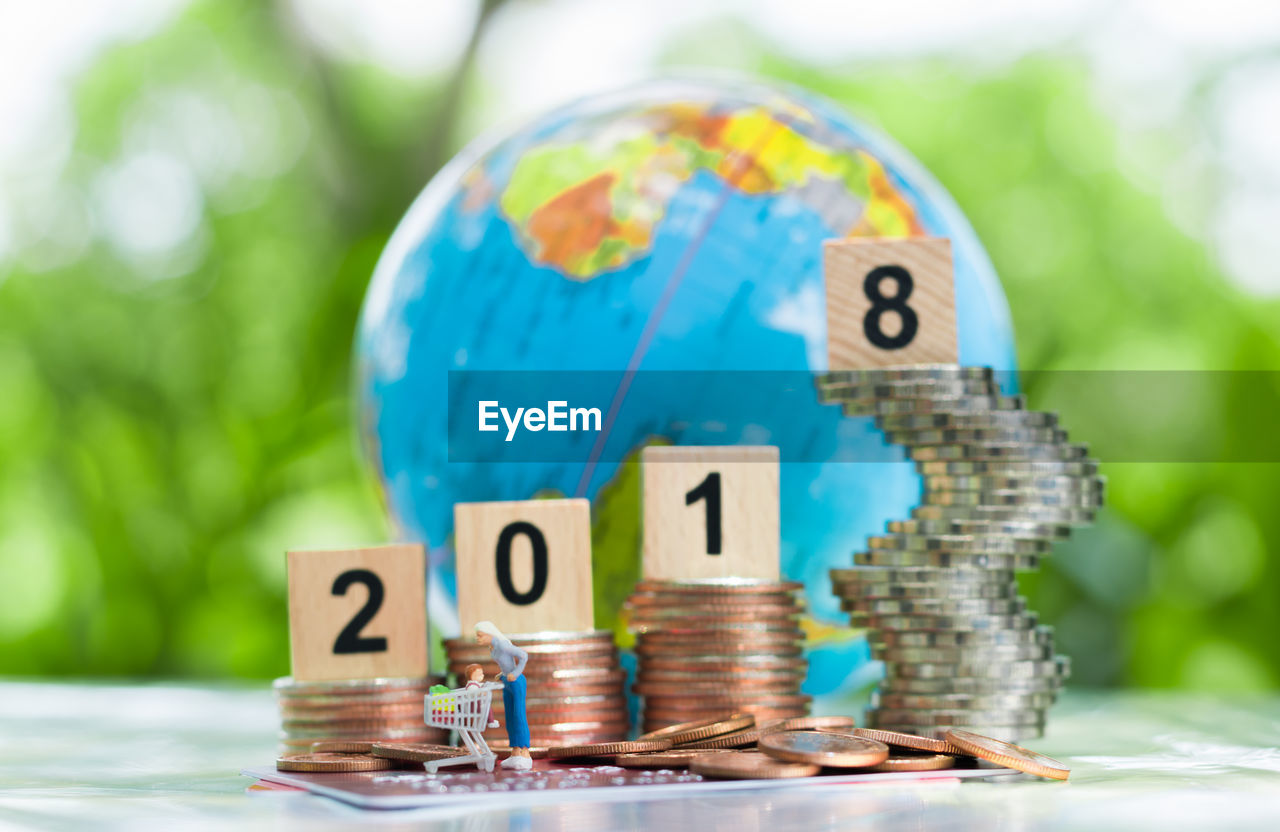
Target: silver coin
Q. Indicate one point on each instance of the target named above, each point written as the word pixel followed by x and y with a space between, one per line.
pixel 932 389
pixel 905 372
pixel 965 436
pixel 1012 499
pixel 1042 635
pixel 991 451
pixel 923 574
pixel 1008 733
pixel 1038 514
pixel 1010 468
pixel 1023 621
pixel 1031 669
pixel 953 718
pixel 976 687
pixel 1042 531
pixel 996 482
pixel 963 404
pixel 900 559
pixel 935 606
pixel 927 590
pixel 995 701
pixel 989 420
pixel 965 655
pixel 959 543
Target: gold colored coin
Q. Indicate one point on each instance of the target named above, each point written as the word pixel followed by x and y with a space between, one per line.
pixel 749 765
pixel 703 729
pixel 824 748
pixel 915 762
pixel 607 749
pixel 1008 755
pixel 331 762
pixel 912 741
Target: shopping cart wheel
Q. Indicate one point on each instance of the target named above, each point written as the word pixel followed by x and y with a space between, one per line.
pixel 487 762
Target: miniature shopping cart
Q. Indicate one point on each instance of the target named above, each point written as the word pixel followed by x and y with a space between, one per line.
pixel 465 710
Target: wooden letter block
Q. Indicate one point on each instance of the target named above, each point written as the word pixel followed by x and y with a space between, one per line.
pixel 890 302
pixel 358 613
pixel 524 565
pixel 710 512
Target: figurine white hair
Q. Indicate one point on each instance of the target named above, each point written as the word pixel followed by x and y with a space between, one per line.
pixel 489 629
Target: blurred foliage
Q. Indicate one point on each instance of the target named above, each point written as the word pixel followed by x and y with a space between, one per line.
pixel 176 417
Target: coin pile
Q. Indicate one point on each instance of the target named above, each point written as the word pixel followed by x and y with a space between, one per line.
pixel 575 691
pixel 937 592
pixel 357 710
pixel 707 647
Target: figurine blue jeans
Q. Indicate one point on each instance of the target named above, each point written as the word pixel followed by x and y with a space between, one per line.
pixel 513 708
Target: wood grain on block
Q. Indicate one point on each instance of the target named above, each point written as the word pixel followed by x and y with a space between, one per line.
pixel 358 613
pixel 524 565
pixel 869 321
pixel 710 512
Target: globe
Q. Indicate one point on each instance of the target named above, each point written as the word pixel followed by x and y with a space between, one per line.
pixel 667 226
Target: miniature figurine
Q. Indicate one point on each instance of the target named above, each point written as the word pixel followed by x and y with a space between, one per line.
pixel 511 661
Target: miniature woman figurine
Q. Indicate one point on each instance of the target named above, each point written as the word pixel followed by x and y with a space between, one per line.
pixel 511 661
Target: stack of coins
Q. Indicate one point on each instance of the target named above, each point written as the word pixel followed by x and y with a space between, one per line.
pixel 705 648
pixel 938 593
pixel 575 691
pixel 356 710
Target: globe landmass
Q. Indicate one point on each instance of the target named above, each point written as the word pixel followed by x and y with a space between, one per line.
pixel 668 226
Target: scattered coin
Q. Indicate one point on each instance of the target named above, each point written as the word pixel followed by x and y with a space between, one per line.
pixel 321 762
pixel 607 749
pixel 1008 755
pixel 700 730
pixel 915 762
pixel 809 723
pixel 749 765
pixel 671 758
pixel 341 747
pixel 898 739
pixel 414 752
pixel 824 748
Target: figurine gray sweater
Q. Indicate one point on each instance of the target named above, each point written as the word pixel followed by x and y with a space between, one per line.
pixel 511 659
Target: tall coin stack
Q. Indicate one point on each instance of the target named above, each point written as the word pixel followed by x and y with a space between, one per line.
pixel 355 710
pixel 576 688
pixel 938 593
pixel 708 648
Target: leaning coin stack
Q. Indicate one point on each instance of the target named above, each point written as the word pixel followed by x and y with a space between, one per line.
pixel 575 691
pixel 356 710
pixel 937 592
pixel 705 648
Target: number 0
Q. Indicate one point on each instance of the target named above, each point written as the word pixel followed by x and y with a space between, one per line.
pixel 709 490
pixel 503 563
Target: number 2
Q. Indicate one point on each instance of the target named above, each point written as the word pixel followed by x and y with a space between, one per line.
pixel 350 640
pixel 881 304
pixel 709 489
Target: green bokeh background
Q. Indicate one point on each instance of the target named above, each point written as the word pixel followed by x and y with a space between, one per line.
pixel 171 424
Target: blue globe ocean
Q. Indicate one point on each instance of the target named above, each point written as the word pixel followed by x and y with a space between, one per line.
pixel 670 226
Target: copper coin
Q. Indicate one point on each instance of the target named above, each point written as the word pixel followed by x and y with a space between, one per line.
pixel 341 747
pixel 809 723
pixel 786 649
pixel 361 714
pixel 701 729
pixel 303 744
pixel 726 691
pixel 415 752
pixel 1008 755
pixel 607 749
pixel 749 765
pixel 361 700
pixel 824 748
pixel 671 758
pixel 737 739
pixel 901 740
pixel 331 762
pixel 915 762
pixel 742 586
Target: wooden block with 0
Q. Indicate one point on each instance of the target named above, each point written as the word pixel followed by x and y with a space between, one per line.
pixel 524 565
pixel 889 302
pixel 710 512
pixel 358 613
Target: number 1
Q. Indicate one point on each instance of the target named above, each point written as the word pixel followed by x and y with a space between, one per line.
pixel 709 489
